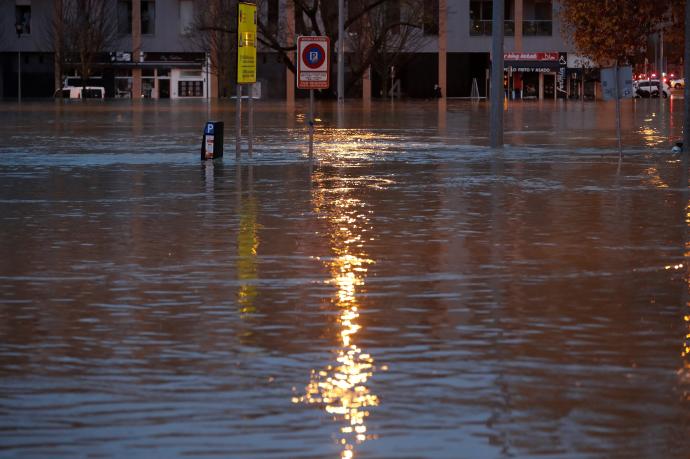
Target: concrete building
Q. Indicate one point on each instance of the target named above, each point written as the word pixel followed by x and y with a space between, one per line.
pixel 153 54
pixel 539 62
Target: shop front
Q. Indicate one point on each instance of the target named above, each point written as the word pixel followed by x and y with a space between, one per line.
pixel 531 76
pixel 163 75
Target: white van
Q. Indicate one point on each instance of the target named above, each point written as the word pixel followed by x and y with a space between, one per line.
pixel 78 92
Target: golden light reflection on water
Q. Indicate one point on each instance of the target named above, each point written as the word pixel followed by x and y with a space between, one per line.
pixel 654 178
pixel 341 146
pixel 684 371
pixel 341 388
pixel 650 134
pixel 247 247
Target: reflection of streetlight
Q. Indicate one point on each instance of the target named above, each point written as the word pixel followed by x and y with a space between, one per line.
pixel 19 27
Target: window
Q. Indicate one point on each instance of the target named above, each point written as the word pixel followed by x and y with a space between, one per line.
pixel 148 17
pixel 22 16
pixel 124 17
pixel 186 16
pixel 430 17
pixel 481 17
pixel 538 18
pixel 190 88
pixel 543 10
pixel 392 18
pixel 272 15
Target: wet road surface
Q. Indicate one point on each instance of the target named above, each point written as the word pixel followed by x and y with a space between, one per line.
pixel 410 293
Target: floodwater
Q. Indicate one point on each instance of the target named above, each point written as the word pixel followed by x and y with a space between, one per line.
pixel 409 293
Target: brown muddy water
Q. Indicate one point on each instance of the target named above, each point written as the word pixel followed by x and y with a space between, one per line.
pixel 410 293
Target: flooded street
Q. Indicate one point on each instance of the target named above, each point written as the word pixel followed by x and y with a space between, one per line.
pixel 408 294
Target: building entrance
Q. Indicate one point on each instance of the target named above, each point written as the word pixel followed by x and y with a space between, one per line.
pixel 530 86
pixel 549 86
pixel 164 88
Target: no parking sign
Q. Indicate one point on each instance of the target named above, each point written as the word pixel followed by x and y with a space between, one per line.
pixel 313 62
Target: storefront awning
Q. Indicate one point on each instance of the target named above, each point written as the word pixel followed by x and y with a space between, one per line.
pixel 531 66
pixel 534 62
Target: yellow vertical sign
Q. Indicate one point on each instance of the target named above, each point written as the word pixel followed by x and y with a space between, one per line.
pixel 246 43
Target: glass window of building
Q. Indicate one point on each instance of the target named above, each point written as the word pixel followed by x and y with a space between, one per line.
pixel 22 16
pixel 392 15
pixel 430 17
pixel 148 17
pixel 543 10
pixel 124 17
pixel 538 18
pixel 481 17
pixel 186 17
pixel 190 88
pixel 272 16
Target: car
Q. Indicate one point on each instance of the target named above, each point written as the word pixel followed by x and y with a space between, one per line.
pixel 79 92
pixel 651 88
pixel 677 83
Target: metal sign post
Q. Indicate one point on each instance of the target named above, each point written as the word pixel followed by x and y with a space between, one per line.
pixel 311 123
pixel 497 91
pixel 250 123
pixel 686 89
pixel 246 69
pixel 618 110
pixel 313 72
pixel 238 124
pixel 617 84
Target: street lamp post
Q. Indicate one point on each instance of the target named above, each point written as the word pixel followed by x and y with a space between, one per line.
pixel 341 51
pixel 19 27
pixel 497 90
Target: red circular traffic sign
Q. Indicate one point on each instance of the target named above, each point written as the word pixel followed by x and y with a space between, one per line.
pixel 313 55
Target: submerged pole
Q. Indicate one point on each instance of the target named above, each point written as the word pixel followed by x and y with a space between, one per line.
pixel 496 117
pixel 686 91
pixel 250 122
pixel 341 50
pixel 618 110
pixel 238 124
pixel 311 123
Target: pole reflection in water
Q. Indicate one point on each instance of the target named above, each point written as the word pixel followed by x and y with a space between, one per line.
pixel 341 388
pixel 247 244
pixel 684 372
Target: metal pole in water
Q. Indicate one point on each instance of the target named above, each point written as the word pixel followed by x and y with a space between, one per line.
pixel 341 51
pixel 686 90
pixel 208 87
pixel 19 78
pixel 496 118
pixel 238 124
pixel 661 68
pixel 618 110
pixel 250 122
pixel 311 123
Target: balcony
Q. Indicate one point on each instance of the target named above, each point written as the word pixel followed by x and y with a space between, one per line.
pixel 531 28
pixel 482 27
pixel 534 28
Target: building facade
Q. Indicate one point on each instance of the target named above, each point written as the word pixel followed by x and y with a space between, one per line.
pixel 153 54
pixel 539 61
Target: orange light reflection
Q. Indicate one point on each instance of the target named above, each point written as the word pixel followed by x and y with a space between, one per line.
pixel 684 371
pixel 341 388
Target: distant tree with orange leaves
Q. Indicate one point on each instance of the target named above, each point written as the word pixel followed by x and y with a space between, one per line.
pixel 615 31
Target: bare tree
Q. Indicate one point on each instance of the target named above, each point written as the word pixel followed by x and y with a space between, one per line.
pixel 386 37
pixel 58 42
pixel 215 31
pixel 390 39
pixel 82 30
pixel 378 32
